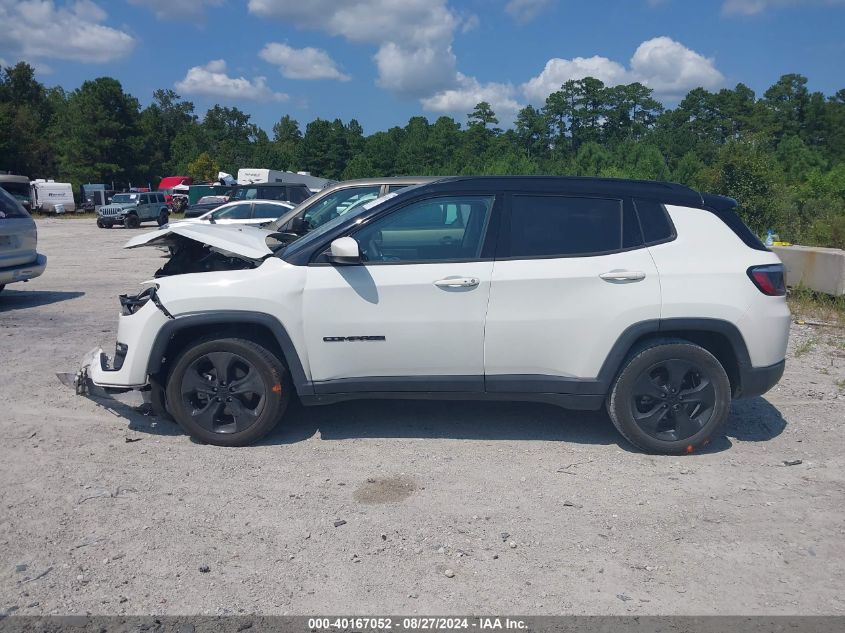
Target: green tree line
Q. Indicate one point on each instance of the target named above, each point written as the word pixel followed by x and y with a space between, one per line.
pixel 782 155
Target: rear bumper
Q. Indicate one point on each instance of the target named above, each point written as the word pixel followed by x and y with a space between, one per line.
pixel 755 381
pixel 24 272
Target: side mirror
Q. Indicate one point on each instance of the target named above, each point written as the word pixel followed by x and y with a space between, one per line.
pixel 345 251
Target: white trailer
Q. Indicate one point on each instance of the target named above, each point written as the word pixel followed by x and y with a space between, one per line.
pixel 248 176
pixel 46 194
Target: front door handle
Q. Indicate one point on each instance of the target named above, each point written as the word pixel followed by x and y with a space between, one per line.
pixel 457 282
pixel 623 275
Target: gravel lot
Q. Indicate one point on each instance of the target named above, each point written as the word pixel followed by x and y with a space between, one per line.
pixel 535 510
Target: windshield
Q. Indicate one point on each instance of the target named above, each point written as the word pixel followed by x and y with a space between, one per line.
pixel 347 216
pixel 124 197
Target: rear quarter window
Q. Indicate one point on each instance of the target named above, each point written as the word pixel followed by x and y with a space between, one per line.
pixel 655 222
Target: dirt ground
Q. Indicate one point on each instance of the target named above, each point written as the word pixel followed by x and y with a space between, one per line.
pixel 533 509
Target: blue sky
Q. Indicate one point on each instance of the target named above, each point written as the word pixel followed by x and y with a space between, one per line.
pixel 382 61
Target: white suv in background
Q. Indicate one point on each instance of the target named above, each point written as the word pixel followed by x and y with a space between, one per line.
pixel 648 298
pixel 19 259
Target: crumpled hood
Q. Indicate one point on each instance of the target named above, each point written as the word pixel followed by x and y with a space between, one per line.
pixel 240 241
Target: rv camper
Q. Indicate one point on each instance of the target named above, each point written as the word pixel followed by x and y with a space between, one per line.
pixel 248 176
pixel 49 196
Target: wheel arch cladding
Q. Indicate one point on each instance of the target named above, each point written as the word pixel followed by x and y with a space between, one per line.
pixel 261 328
pixel 721 338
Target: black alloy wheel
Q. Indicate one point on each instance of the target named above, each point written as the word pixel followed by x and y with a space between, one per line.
pixel 671 396
pixel 673 400
pixel 223 392
pixel 227 391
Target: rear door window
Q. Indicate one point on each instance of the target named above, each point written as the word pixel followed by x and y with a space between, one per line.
pixel 299 194
pixel 272 193
pixel 563 226
pixel 239 211
pixel 268 211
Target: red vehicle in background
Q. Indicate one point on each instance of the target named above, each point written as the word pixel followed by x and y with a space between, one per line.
pixel 168 182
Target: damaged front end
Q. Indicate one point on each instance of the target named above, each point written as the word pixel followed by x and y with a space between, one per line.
pixel 141 317
pixel 190 249
pixel 189 256
pixel 203 248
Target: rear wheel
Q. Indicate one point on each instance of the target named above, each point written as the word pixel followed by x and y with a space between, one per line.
pixel 2 286
pixel 671 397
pixel 131 221
pixel 162 218
pixel 227 392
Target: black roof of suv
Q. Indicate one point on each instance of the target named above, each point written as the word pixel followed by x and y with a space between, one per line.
pixel 657 191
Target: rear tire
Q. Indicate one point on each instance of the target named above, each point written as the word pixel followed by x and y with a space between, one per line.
pixel 228 391
pixel 131 221
pixel 162 218
pixel 2 286
pixel 671 397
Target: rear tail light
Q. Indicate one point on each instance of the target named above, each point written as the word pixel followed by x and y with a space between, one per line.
pixel 770 279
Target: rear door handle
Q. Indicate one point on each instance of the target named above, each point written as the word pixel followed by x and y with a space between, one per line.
pixel 457 282
pixel 623 275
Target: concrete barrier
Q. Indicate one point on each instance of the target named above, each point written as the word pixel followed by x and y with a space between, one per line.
pixel 820 269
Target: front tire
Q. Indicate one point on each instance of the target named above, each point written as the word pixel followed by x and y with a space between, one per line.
pixel 131 221
pixel 228 391
pixel 671 397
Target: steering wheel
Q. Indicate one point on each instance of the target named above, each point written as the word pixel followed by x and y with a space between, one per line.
pixel 374 248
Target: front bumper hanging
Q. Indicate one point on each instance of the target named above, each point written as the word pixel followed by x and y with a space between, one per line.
pixel 81 381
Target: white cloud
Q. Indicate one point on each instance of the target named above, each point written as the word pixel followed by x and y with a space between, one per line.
pixel 41 29
pixel 523 11
pixel 415 71
pixel 414 37
pixel 753 7
pixel 668 67
pixel 302 63
pixel 183 8
pixel 671 69
pixel 469 92
pixel 211 80
pixel 558 71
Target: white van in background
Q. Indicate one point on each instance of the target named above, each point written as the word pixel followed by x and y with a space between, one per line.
pixel 46 194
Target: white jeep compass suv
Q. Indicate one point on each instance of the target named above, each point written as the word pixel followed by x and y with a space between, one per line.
pixel 645 297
